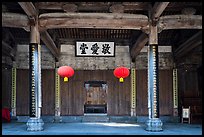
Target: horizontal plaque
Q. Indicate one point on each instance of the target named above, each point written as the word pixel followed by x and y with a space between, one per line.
pixel 96 49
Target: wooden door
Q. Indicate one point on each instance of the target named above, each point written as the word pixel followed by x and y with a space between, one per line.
pixel 96 96
pixel 96 100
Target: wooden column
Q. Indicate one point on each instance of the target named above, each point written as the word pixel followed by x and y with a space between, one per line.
pixel 35 123
pixel 13 93
pixel 175 92
pixel 133 92
pixel 153 123
pixel 57 117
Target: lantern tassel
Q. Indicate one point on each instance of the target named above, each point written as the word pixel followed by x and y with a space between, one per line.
pixel 121 80
pixel 65 79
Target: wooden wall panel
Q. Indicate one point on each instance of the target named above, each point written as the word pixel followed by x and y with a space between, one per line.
pixel 190 93
pixel 72 95
pixel 165 92
pixel 73 92
pixel 65 101
pixel 191 84
pixel 22 92
pixel 189 88
pixel 141 93
pixel 114 106
pixel 6 87
pixel 48 92
pixel 118 94
pixel 110 102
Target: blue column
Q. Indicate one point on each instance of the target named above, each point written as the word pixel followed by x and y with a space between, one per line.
pixel 35 123
pixel 153 123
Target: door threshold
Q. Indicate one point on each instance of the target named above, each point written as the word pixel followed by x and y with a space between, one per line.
pixel 95 114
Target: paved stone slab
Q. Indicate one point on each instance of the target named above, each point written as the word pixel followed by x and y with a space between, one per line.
pixel 101 129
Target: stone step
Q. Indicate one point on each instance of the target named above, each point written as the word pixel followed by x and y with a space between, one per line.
pixel 95 118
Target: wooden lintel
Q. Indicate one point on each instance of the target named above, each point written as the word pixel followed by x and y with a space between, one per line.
pixel 29 8
pixel 158 8
pixel 46 38
pixel 139 44
pixel 15 20
pixel 188 45
pixel 92 20
pixel 180 22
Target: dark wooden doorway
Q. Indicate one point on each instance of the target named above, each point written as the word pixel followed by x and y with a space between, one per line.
pixel 96 98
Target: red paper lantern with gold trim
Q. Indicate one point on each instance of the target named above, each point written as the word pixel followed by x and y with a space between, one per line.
pixel 121 73
pixel 65 72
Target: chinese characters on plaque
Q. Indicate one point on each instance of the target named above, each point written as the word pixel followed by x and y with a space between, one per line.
pixel 95 49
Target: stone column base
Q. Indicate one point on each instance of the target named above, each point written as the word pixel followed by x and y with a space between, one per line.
pixel 57 119
pixel 14 118
pixel 35 124
pixel 154 124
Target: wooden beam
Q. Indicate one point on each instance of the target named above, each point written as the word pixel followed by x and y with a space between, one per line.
pixel 15 20
pixel 180 22
pixel 45 37
pixel 135 5
pixel 6 46
pixel 116 40
pixel 31 11
pixel 34 34
pixel 117 8
pixel 70 7
pixel 49 5
pixel 82 6
pixel 8 50
pixel 29 8
pixel 4 8
pixel 139 44
pixel 153 35
pixel 92 20
pixel 158 8
pixel 188 45
pixel 8 36
pixel 93 6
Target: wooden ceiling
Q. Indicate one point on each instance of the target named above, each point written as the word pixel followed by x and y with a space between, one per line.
pixel 70 21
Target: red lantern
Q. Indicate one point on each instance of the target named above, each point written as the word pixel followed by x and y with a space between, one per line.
pixel 65 72
pixel 121 72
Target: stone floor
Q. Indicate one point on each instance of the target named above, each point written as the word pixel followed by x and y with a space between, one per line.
pixel 101 129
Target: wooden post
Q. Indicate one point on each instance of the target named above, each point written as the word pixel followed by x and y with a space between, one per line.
pixel 175 93
pixel 13 93
pixel 35 123
pixel 153 123
pixel 57 117
pixel 133 92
